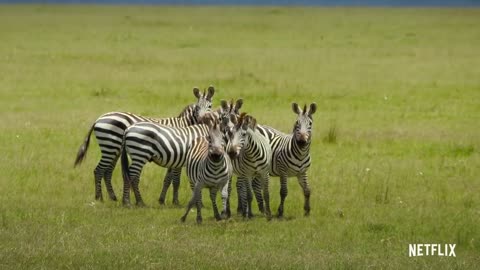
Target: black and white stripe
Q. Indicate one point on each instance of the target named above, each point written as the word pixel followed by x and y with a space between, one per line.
pixel 146 142
pixel 290 155
pixel 110 127
pixel 225 112
pixel 208 166
pixel 251 156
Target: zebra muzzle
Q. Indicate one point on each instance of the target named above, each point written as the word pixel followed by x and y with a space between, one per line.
pixel 233 152
pixel 215 156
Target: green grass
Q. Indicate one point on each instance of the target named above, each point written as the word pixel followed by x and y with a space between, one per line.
pixel 395 146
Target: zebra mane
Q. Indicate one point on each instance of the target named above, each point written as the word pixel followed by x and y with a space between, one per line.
pixel 187 111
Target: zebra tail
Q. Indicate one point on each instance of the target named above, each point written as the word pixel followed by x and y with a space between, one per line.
pixel 82 152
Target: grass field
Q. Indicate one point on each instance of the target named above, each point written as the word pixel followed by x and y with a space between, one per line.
pixel 398 91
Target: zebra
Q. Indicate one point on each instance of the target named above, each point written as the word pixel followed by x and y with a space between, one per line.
pixel 225 112
pixel 251 155
pixel 290 156
pixel 209 166
pixel 229 111
pixel 110 127
pixel 165 145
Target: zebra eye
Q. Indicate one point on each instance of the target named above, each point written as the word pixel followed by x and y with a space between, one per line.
pixel 210 106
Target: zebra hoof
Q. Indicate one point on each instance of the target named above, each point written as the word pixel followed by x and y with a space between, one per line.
pixel 182 219
pixel 307 210
pixel 140 204
pixel 113 198
pixel 226 214
pixel 199 220
pixel 127 204
pixel 176 202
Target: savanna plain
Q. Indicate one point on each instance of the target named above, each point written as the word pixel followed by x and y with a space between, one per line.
pixel 395 150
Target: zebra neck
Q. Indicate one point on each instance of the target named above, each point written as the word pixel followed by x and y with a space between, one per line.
pixel 190 120
pixel 252 145
pixel 300 152
pixel 215 165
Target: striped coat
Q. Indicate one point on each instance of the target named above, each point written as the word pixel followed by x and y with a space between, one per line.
pixel 226 112
pixel 251 157
pixel 290 155
pixel 110 127
pixel 149 142
pixel 208 166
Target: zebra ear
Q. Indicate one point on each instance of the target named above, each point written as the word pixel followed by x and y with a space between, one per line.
pixel 246 123
pixel 224 104
pixel 253 123
pixel 304 109
pixel 238 105
pixel 233 118
pixel 211 91
pixel 295 108
pixel 241 120
pixel 196 92
pixel 313 108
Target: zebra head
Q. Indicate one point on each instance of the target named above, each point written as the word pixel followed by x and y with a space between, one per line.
pixel 204 103
pixel 302 130
pixel 227 112
pixel 216 142
pixel 238 136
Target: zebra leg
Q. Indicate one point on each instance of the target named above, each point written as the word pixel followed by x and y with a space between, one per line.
pixel 303 181
pixel 266 196
pixel 242 187
pixel 283 194
pixel 108 180
pixel 199 205
pixel 249 199
pixel 135 171
pixel 166 184
pixel 213 198
pixel 192 202
pixel 176 174
pixel 126 192
pixel 226 199
pixel 98 174
pixel 104 169
pixel 136 191
pixel 257 190
pixel 239 197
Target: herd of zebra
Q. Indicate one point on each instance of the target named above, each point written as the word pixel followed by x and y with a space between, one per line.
pixel 212 145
